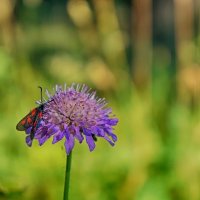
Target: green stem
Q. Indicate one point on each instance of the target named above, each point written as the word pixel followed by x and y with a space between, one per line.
pixel 67 177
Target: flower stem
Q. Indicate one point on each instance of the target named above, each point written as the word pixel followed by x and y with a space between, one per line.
pixel 67 176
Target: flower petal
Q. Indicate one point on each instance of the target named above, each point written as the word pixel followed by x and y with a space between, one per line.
pixel 66 131
pixel 42 140
pixel 53 130
pixel 44 131
pixel 87 132
pixel 112 122
pixel 69 144
pixel 98 131
pixel 77 134
pixel 58 137
pixel 90 142
pixel 109 140
pixel 28 141
pixel 28 130
pixel 113 136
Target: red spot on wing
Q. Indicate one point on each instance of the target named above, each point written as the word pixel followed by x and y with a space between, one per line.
pixel 33 112
pixel 40 114
pixel 29 120
pixel 23 122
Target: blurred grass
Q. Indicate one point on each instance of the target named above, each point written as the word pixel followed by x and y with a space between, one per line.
pixel 157 153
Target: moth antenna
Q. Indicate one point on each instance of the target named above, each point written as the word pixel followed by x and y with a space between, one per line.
pixel 41 93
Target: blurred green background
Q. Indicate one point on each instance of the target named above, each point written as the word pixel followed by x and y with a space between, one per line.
pixel 143 56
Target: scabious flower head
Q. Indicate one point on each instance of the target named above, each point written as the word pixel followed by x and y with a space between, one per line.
pixel 75 113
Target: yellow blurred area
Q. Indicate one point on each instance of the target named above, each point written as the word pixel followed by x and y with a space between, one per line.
pixel 143 57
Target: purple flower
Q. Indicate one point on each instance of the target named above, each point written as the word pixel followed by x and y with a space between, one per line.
pixel 75 113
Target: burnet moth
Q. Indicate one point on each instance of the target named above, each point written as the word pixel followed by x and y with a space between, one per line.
pixel 32 119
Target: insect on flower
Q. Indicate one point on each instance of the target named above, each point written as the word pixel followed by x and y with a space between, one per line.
pixel 76 113
pixel 70 113
pixel 31 122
